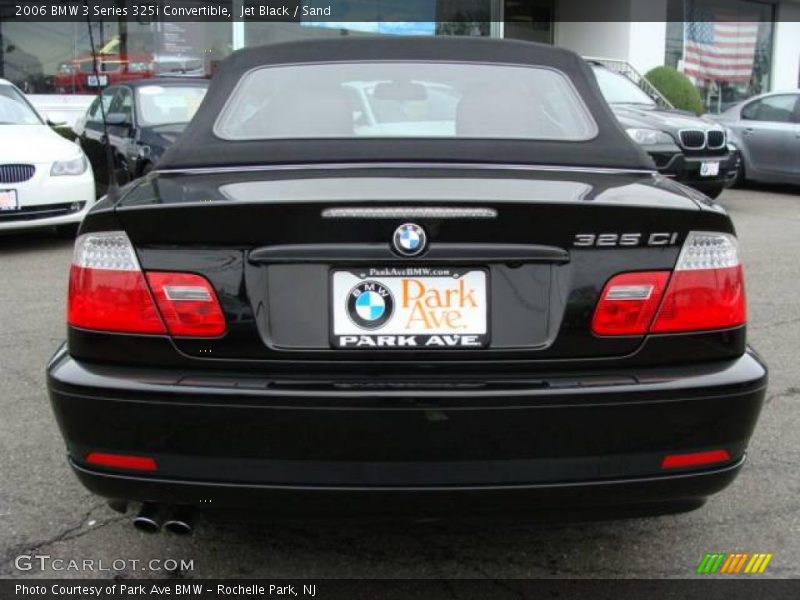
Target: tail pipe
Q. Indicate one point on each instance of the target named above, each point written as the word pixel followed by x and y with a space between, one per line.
pixel 149 518
pixel 180 521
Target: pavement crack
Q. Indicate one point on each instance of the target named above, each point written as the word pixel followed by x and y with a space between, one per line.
pixel 787 393
pixel 71 532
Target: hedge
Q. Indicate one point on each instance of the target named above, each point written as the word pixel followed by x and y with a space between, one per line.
pixel 677 88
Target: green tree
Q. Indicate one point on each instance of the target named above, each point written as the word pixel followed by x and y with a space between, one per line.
pixel 677 88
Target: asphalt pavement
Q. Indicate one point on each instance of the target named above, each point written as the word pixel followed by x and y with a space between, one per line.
pixel 45 511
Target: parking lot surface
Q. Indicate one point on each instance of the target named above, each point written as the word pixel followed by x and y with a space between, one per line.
pixel 45 511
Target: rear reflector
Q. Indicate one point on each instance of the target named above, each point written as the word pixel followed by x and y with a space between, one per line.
pixel 628 303
pixel 107 290
pixel 695 459
pixel 121 461
pixel 188 304
pixel 705 292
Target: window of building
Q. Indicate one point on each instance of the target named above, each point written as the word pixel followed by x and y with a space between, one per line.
pixel 725 46
pixel 55 58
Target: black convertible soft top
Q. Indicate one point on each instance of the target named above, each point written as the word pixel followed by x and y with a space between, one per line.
pixel 200 147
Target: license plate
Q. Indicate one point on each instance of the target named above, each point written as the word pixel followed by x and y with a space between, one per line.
pixel 409 308
pixel 92 80
pixel 8 200
pixel 709 169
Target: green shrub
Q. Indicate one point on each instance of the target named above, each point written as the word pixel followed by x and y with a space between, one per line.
pixel 677 88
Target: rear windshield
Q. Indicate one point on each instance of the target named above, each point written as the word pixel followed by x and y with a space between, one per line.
pixel 405 99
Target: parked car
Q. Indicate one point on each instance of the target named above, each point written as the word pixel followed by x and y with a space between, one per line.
pixel 498 308
pixel 143 118
pixel 682 145
pixel 766 129
pixel 45 180
pixel 77 76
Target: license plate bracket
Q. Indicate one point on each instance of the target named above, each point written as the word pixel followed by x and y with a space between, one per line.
pixel 409 308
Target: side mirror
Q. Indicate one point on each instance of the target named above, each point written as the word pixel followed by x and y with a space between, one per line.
pixel 118 119
pixel 55 120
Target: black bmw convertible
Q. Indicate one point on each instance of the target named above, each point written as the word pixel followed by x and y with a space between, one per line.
pixel 382 277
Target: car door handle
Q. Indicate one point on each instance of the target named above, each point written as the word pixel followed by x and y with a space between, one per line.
pixel 748 131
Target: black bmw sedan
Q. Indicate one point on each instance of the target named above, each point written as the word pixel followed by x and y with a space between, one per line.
pixel 383 277
pixel 143 119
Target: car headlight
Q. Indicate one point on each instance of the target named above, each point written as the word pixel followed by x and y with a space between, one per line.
pixel 75 166
pixel 649 137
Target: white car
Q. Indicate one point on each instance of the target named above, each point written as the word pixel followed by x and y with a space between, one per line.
pixel 45 180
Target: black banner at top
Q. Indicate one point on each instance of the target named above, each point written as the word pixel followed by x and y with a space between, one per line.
pixel 323 11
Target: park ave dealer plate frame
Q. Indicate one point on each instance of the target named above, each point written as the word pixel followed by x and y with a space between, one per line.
pixel 409 308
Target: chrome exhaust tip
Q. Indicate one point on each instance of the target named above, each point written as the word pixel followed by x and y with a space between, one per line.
pixel 148 519
pixel 180 521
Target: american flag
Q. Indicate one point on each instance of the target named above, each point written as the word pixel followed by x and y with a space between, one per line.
pixel 722 49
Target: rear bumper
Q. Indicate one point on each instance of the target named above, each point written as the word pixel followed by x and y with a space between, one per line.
pixel 595 439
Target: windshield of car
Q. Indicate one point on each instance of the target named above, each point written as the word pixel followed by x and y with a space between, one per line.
pixel 405 99
pixel 14 109
pixel 618 89
pixel 159 105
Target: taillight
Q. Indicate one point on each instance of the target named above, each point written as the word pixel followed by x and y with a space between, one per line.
pixel 107 289
pixel 109 292
pixel 705 291
pixel 188 304
pixel 629 302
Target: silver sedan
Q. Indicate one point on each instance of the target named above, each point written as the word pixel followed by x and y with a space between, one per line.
pixel 766 130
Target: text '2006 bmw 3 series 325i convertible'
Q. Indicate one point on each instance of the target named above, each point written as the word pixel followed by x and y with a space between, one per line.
pixel 384 276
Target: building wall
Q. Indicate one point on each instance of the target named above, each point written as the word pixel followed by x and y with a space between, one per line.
pixel 786 48
pixel 646 44
pixel 641 43
pixel 578 31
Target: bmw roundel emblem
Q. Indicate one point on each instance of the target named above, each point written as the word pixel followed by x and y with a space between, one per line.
pixel 409 239
pixel 370 305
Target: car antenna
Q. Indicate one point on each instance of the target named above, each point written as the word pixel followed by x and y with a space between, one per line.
pixel 113 189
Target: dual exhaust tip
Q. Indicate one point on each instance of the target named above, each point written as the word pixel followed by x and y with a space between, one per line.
pixel 154 517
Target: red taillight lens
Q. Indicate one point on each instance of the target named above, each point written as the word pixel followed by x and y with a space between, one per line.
pixel 107 290
pixel 695 459
pixel 706 291
pixel 703 299
pixel 121 461
pixel 188 304
pixel 628 303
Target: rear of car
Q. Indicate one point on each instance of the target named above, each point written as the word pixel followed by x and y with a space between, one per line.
pixel 45 180
pixel 385 330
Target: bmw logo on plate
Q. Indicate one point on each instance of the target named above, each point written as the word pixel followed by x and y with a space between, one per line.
pixel 370 305
pixel 409 239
